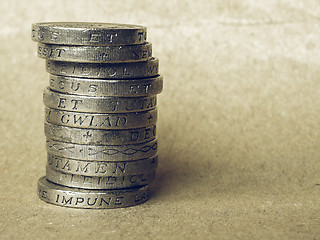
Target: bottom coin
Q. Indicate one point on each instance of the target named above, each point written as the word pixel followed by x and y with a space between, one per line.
pixel 82 198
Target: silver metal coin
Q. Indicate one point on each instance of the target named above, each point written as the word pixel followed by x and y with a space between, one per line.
pixel 101 168
pixel 91 104
pixel 105 182
pixel 132 70
pixel 88 33
pixel 95 199
pixel 104 87
pixel 101 120
pixel 99 136
pixel 95 54
pixel 116 153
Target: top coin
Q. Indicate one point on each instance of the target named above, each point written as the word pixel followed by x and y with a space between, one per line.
pixel 88 33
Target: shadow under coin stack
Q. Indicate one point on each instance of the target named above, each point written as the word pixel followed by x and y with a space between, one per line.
pixel 100 114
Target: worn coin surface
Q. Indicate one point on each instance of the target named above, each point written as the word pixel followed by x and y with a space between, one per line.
pixel 83 198
pixel 99 136
pixel 88 33
pixel 116 153
pixel 101 168
pixel 142 69
pixel 93 104
pixel 101 120
pixel 98 54
pixel 105 87
pixel 105 182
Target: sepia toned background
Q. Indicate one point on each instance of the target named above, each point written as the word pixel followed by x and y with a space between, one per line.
pixel 238 127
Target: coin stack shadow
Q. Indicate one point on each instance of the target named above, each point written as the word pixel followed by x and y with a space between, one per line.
pixel 100 114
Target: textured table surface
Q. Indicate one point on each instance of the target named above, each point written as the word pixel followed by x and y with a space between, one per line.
pixel 238 128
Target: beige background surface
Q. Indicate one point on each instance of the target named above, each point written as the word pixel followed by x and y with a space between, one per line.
pixel 238 122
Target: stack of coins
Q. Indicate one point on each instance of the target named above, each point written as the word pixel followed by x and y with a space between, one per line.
pixel 100 114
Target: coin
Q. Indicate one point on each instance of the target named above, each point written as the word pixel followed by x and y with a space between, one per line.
pixel 86 33
pixel 93 104
pixel 105 182
pixel 104 87
pixel 97 54
pixel 82 198
pixel 132 70
pixel 116 153
pixel 101 120
pixel 101 168
pixel 99 136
